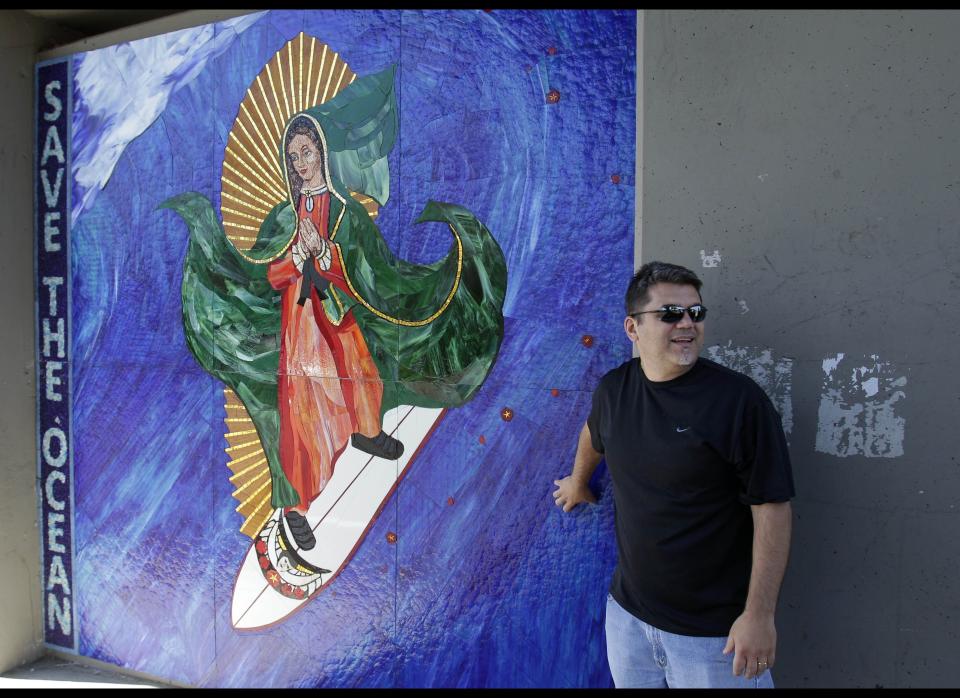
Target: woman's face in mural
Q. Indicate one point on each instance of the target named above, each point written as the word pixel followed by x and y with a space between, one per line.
pixel 305 159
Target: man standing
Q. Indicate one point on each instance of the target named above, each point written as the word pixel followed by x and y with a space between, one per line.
pixel 701 484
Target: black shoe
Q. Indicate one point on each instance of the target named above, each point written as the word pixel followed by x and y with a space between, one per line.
pixel 381 445
pixel 300 528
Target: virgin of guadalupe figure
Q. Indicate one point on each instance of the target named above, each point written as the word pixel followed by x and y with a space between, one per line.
pixel 346 401
pixel 357 331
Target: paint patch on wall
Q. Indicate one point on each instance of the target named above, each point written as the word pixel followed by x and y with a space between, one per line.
pixel 710 260
pixel 774 375
pixel 857 414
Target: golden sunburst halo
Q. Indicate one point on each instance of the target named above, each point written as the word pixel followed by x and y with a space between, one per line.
pixel 248 463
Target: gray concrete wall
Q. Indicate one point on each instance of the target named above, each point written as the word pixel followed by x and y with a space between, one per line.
pixel 21 36
pixel 806 164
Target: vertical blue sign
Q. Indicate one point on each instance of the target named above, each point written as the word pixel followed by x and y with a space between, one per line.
pixel 55 460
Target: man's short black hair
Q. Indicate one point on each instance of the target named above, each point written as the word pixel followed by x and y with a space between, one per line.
pixel 638 292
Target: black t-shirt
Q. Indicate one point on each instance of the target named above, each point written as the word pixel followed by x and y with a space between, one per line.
pixel 687 457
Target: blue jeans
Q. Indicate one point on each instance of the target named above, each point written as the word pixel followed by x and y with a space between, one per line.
pixel 642 656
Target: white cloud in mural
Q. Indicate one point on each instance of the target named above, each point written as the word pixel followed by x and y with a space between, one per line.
pixel 121 90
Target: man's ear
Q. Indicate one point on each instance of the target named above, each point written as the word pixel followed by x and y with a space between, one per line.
pixel 629 326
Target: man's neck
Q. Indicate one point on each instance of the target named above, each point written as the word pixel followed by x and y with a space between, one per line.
pixel 656 373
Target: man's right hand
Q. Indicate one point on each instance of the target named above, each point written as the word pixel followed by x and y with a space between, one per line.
pixel 571 492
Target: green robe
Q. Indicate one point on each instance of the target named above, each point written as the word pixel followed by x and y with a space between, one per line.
pixel 433 330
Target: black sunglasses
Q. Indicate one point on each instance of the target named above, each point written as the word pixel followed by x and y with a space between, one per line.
pixel 674 313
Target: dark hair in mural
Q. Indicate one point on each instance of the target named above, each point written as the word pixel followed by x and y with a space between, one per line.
pixel 302 126
pixel 654 273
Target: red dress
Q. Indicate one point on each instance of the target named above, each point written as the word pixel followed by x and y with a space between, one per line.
pixel 328 385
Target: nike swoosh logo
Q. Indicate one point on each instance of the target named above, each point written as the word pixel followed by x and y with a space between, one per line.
pixel 679 430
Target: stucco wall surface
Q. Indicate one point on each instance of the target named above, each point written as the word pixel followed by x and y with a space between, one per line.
pixel 21 36
pixel 804 163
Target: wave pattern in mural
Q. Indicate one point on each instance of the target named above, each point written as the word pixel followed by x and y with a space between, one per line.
pixel 454 569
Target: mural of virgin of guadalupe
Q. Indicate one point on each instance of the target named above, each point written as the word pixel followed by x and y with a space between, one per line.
pixel 357 331
pixel 315 338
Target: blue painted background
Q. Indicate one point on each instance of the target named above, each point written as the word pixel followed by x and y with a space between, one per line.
pixel 488 583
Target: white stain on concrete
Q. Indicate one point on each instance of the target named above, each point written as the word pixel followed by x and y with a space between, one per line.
pixel 744 309
pixel 763 177
pixel 830 364
pixel 710 260
pixel 774 375
pixel 857 414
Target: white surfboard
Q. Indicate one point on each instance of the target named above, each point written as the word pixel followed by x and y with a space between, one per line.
pixel 276 579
